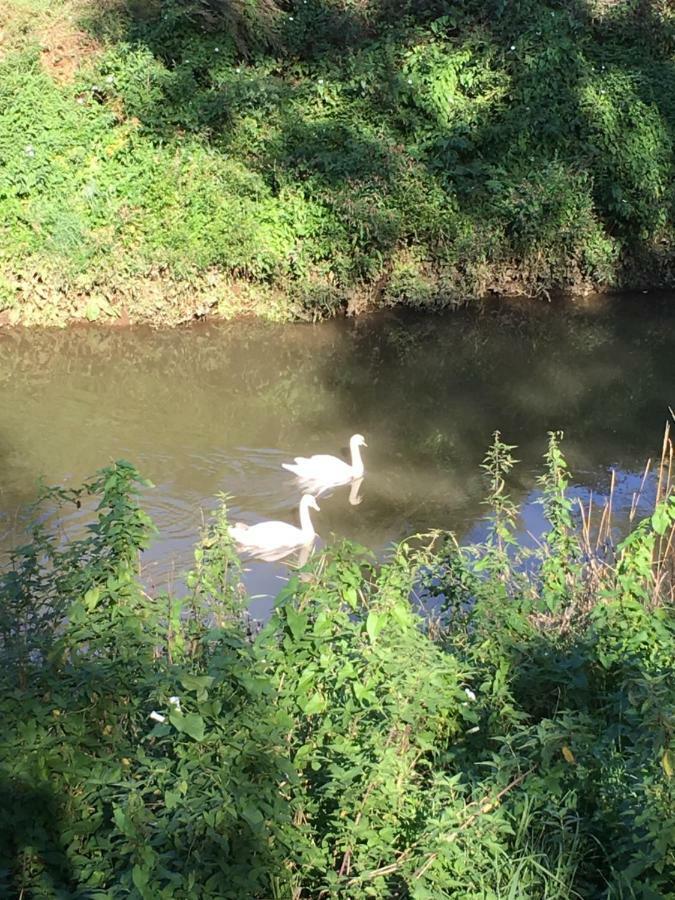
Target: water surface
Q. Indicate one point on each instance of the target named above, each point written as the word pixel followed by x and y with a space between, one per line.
pixel 218 407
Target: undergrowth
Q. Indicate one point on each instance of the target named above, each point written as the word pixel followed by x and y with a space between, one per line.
pixel 318 154
pixel 517 743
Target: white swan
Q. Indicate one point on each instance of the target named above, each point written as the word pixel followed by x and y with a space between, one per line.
pixel 322 471
pixel 274 540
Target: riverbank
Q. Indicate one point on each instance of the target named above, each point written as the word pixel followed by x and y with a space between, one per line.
pixel 166 160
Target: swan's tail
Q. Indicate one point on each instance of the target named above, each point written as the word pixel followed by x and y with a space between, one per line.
pixel 296 466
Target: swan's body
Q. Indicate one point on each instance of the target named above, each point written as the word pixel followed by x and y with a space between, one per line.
pixel 323 471
pixel 273 540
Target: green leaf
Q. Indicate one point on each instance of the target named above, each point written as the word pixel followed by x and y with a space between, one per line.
pixel 315 704
pixel 196 682
pixel 401 613
pixel 122 822
pixel 92 597
pixel 252 815
pixel 92 310
pixel 191 724
pixel 351 597
pixel 660 519
pixel 140 878
pixel 302 754
pixel 77 614
pixel 322 625
pixel 374 624
pixel 363 693
pixel 297 622
pixel 171 799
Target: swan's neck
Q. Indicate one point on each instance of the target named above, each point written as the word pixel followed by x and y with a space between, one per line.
pixel 306 523
pixel 357 462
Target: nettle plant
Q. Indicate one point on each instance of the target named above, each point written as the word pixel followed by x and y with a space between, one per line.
pixel 475 721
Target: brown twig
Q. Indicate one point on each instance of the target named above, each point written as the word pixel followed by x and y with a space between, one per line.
pixel 662 463
pixel 610 504
pixel 663 492
pixel 638 494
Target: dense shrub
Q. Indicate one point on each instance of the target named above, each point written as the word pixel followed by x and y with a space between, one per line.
pixel 517 743
pixel 522 146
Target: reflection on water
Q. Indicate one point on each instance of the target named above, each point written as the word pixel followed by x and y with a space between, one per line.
pixel 218 408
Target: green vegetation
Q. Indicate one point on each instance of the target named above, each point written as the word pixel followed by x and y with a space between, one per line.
pixel 164 158
pixel 519 743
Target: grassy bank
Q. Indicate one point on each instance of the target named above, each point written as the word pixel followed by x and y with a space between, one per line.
pixel 161 158
pixel 517 744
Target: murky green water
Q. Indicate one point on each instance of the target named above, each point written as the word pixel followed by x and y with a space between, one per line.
pixel 219 407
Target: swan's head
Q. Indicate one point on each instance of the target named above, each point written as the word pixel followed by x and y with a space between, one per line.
pixel 358 440
pixel 310 502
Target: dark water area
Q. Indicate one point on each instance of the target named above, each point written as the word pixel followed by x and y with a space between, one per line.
pixel 218 407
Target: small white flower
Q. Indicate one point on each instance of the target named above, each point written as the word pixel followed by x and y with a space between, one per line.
pixel 473 730
pixel 238 71
pixel 110 79
pixel 29 150
pixel 216 50
pixel 513 46
pixel 320 80
pixel 157 717
pixel 80 99
pixel 175 702
pixel 290 18
pixel 410 81
pixel 469 693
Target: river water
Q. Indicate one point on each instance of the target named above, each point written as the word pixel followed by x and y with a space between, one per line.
pixel 218 407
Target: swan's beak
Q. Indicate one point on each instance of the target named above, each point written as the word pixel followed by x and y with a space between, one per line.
pixel 364 444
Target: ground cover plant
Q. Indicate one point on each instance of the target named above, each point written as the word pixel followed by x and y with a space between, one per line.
pixel 517 743
pixel 166 158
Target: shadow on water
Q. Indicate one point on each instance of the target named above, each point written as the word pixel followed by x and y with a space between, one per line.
pixel 218 408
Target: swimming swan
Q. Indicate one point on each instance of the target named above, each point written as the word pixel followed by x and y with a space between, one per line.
pixel 273 540
pixel 323 471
